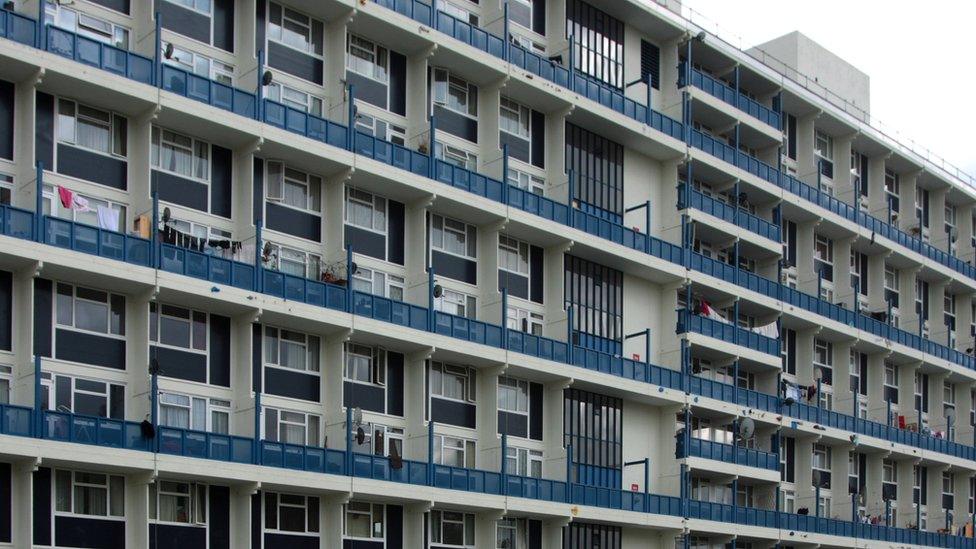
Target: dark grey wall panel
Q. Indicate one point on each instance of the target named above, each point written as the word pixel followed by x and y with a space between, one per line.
pixel 394 527
pixel 535 411
pixel 184 21
pixel 518 148
pixel 6 504
pixel 6 120
pixel 90 349
pixel 394 383
pixel 121 6
pixel 221 181
pixel 395 232
pixel 537 275
pixel 451 412
pixel 219 517
pixel 89 533
pixel 223 24
pixel 284 541
pixel 367 397
pixel 219 350
pixel 398 83
pixel 43 316
pixel 258 204
pixel 257 359
pixel 295 62
pixel 538 139
pixel 6 310
pixel 456 124
pixel 94 167
pixel 369 90
pixel 41 490
pixel 454 267
pixel 286 383
pixel 44 130
pixel 180 364
pixel 361 544
pixel 513 425
pixel 256 518
pixel 171 536
pixel 178 190
pixel 291 221
pixel 365 242
pixel 517 285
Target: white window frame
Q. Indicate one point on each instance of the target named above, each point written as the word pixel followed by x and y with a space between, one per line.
pixel 376 513
pixel 465 520
pixel 117 332
pixel 466 233
pixel 443 82
pixel 526 181
pixel 459 446
pixel 310 104
pixel 459 303
pixel 378 206
pixel 525 461
pixel 159 310
pixel 50 386
pixel 311 425
pixel 518 529
pixel 198 163
pixel 112 482
pixel 522 121
pixel 381 129
pixel 212 408
pixel 309 529
pixel 380 283
pixel 281 175
pixel 456 156
pixel 53 16
pixel 519 388
pixel 376 364
pixel 524 320
pixel 507 248
pixel 117 127
pixel 462 14
pixel 309 260
pixel 199 64
pixel 52 206
pixel 195 496
pixel 314 48
pixel 312 345
pixel 380 62
pixel 469 381
pixel 202 6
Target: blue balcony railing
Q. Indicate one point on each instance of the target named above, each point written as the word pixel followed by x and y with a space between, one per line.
pixel 470 34
pixel 538 65
pixel 468 180
pixel 18 28
pixel 730 213
pixel 206 267
pixel 726 93
pixel 16 222
pixel 395 155
pixel 414 9
pixel 208 91
pixel 97 431
pixel 727 332
pixel 303 123
pixel 95 241
pixel 468 329
pixel 99 55
pixel 304 290
pixel 390 310
pixel 537 346
pixel 707 449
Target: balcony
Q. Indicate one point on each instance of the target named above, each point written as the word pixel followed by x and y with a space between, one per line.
pixel 730 333
pixel 707 449
pixel 731 214
pixel 716 88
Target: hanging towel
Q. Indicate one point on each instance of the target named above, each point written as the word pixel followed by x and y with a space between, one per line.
pixel 708 312
pixel 768 330
pixel 66 196
pixel 108 218
pixel 80 203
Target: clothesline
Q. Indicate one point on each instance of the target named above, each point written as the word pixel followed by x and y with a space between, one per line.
pixel 770 330
pixel 108 218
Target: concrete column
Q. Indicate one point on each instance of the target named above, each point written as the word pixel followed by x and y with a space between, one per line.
pixel 843 396
pixel 805 492
pixel 937 515
pixel 418 104
pixel 961 487
pixel 938 331
pixel 485 529
pixel 334 411
pixel 964 319
pixel 806 160
pixel 414 519
pixel 964 428
pixel 489 441
pixel 489 150
pixel 137 509
pixel 907 317
pixel 22 490
pixel 552 532
pixel 489 297
pixel 843 178
pixel 905 514
pixel 874 504
pixel 840 501
pixel 335 72
pixel 877 197
pixel 804 356
pixel 333 214
pixel 877 406
pixel 415 405
pixel 875 278
pixel 139 163
pixel 240 514
pixel 906 194
pixel 557 187
pixel 843 291
pixel 937 204
pixel 25 99
pixel 331 509
pixel 805 246
pixel 668 100
pixel 937 400
pixel 139 403
pixel 22 384
pixel 415 239
pixel 965 232
pixel 554 454
pixel 242 376
pixel 555 315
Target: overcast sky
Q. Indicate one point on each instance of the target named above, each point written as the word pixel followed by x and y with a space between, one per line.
pixel 920 56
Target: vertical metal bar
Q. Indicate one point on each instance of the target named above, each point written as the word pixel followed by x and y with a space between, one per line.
pixel 256 455
pixel 430 453
pixel 258 263
pixel 430 299
pixel 154 232
pixel 348 454
pixel 506 50
pixel 157 61
pixel 349 275
pixel 504 314
pixel 505 161
pixel 259 93
pixel 38 399
pixel 569 333
pixel 431 142
pixel 351 116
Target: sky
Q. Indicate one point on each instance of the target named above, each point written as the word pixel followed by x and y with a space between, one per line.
pixel 920 57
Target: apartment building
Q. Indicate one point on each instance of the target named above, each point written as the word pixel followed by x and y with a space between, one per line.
pixel 496 274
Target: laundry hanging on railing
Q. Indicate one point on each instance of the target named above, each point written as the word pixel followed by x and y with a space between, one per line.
pixel 108 218
pixel 223 247
pixel 793 392
pixel 705 309
pixel 71 200
pixel 769 330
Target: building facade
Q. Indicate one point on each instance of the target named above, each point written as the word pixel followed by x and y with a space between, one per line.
pixel 523 274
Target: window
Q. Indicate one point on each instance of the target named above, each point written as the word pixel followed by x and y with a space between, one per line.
pixel 85 25
pixel 454 93
pixel 291 261
pixel 454 237
pixel 381 129
pixel 365 364
pixel 513 395
pixel 823 360
pixel 92 494
pixel 821 465
pixel 948 492
pixel 524 41
pixel 454 451
pixel 458 12
pixel 85 397
pixel 524 321
pixel 291 513
pixel 178 327
pixel 513 255
pixel 289 349
pixel 366 58
pixel 293 98
pixel 381 441
pixel 180 154
pixel 179 502
pixel 511 533
pixel 598 42
pixel 365 210
pixel 526 181
pixel 949 316
pixel 595 294
pixel 6 188
pixel 202 6
pixel 891 383
pixel 89 216
pixel 90 310
pixel 889 479
pixel 523 462
pixel 90 128
pixel 363 521
pixel 456 303
pixel 195 413
pixel 200 65
pixel 5 376
pixel 824 257
pixel 451 529
pixel 291 427
pixel 455 156
pixel 375 282
pixel 452 382
pixel 295 30
pixel 824 149
pixel 294 188
pixel 891 286
pixel 514 118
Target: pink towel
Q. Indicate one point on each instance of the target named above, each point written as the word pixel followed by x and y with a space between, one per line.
pixel 67 197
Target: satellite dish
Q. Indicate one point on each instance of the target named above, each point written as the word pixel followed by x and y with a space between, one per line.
pixel 357 415
pixel 267 78
pixel 747 428
pixel 438 291
pixel 168 52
